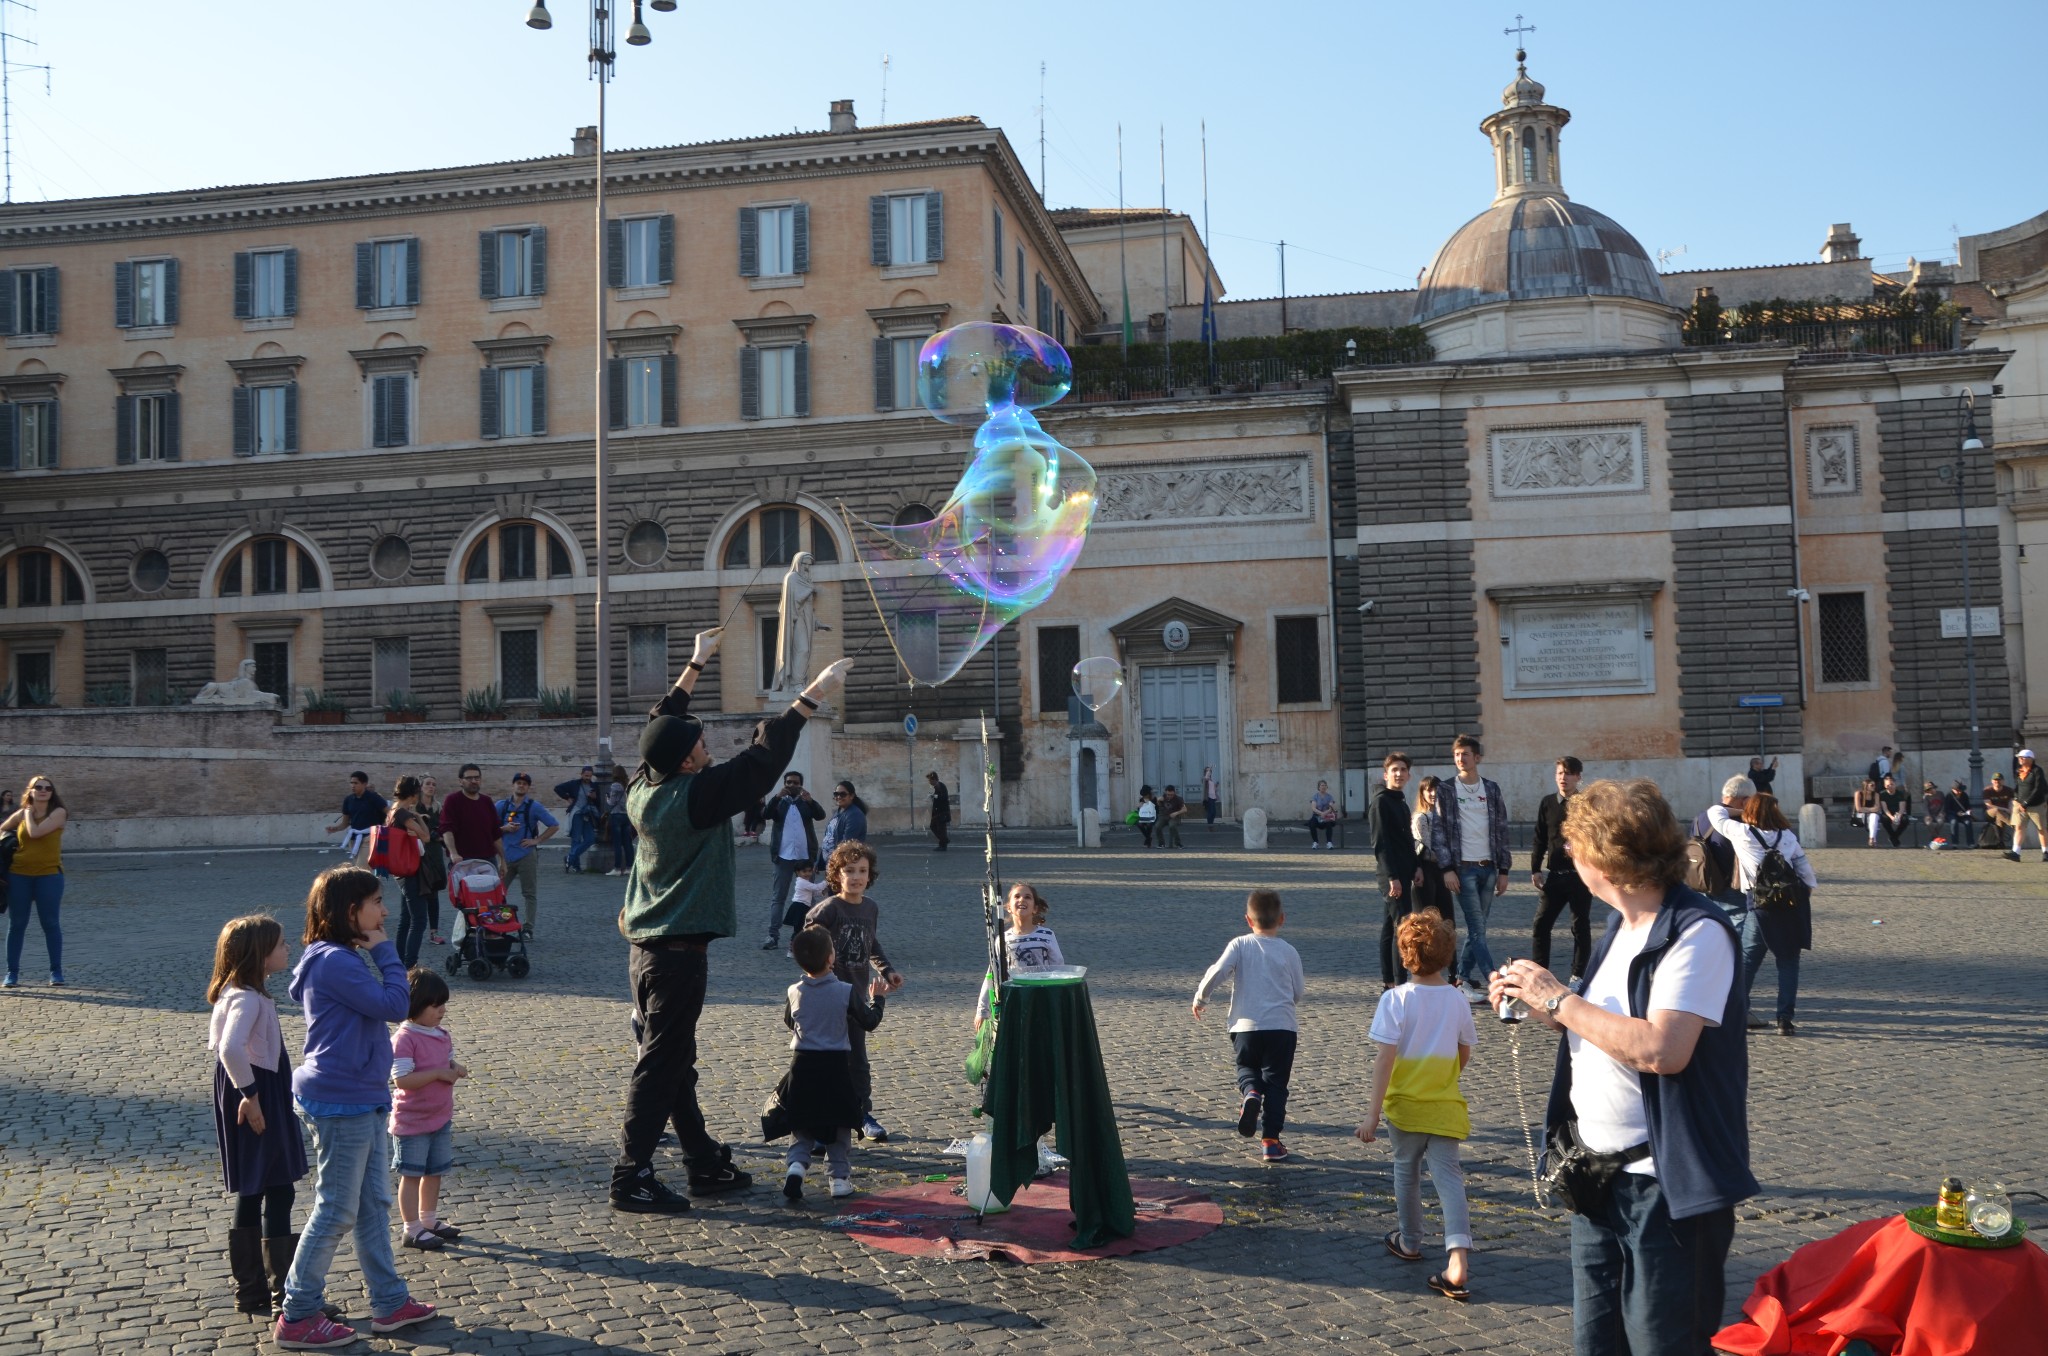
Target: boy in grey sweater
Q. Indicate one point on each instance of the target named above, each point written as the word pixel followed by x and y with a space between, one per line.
pixel 1265 984
pixel 818 1093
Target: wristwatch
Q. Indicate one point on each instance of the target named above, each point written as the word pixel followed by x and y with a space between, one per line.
pixel 1550 1005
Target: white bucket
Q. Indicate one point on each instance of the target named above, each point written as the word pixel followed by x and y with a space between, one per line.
pixel 980 1156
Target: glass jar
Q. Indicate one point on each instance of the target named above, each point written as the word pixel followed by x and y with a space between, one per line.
pixel 1990 1209
pixel 1950 1210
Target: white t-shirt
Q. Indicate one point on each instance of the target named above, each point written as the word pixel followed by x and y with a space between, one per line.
pixel 1473 843
pixel 807 892
pixel 1694 976
pixel 793 846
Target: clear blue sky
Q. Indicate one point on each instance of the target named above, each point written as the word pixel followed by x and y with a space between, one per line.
pixel 1738 130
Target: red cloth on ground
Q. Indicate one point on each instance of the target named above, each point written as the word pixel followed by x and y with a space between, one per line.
pixel 929 1219
pixel 1903 1294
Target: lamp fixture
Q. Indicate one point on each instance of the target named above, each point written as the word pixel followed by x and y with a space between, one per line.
pixel 538 16
pixel 636 33
pixel 662 6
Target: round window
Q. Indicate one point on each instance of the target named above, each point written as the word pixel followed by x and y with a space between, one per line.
pixel 391 557
pixel 646 543
pixel 152 570
pixel 911 514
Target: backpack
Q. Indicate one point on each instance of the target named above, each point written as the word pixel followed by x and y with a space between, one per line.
pixel 1709 863
pixel 1776 884
pixel 1876 774
pixel 394 850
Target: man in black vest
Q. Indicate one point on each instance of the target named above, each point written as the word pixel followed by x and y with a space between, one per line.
pixel 942 810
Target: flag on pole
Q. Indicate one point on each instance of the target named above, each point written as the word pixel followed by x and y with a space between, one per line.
pixel 1209 335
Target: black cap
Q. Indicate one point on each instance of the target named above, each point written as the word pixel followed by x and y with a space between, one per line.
pixel 667 741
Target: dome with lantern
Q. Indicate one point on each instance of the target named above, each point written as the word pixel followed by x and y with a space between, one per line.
pixel 1536 272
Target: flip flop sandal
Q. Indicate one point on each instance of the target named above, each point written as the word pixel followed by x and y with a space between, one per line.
pixel 1447 1290
pixel 1394 1247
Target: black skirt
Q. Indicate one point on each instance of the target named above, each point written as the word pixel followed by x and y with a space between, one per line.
pixel 250 1163
pixel 817 1095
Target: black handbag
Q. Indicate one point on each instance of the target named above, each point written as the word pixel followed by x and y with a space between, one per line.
pixel 9 841
pixel 433 872
pixel 1576 1177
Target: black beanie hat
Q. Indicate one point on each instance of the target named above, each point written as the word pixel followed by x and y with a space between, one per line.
pixel 668 740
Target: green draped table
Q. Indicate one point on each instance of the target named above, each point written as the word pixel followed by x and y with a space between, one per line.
pixel 1047 1072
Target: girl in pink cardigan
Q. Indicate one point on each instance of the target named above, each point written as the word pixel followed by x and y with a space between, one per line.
pixel 424 1071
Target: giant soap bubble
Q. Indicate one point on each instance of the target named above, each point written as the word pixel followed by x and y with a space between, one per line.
pixel 1012 527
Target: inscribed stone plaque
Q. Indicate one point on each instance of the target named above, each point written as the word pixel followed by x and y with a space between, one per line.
pixel 1566 648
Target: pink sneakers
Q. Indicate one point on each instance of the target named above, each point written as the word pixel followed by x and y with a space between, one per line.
pixel 312 1334
pixel 404 1316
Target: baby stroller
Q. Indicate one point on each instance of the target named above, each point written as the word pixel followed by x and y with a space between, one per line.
pixel 487 933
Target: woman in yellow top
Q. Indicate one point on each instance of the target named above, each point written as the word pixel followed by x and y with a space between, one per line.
pixel 36 876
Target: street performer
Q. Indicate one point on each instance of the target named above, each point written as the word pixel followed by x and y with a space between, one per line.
pixel 679 899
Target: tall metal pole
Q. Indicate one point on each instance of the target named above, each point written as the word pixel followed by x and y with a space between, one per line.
pixel 601 614
pixel 1971 443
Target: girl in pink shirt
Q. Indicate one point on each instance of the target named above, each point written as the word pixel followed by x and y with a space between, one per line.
pixel 424 1071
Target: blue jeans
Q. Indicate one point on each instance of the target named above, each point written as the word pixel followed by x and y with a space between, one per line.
pixel 44 894
pixel 1643 1282
pixel 1754 945
pixel 412 918
pixel 352 1156
pixel 1475 901
pixel 582 833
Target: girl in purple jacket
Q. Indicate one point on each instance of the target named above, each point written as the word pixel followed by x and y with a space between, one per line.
pixel 342 1086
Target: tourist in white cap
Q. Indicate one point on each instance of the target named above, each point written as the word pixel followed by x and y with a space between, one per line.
pixel 2030 806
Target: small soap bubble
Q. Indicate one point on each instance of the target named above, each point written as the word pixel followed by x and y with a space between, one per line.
pixel 1097 680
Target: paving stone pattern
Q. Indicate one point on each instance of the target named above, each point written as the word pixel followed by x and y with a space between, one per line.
pixel 1920 1052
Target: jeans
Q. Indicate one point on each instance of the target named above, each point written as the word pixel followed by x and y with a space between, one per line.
pixel 1446 1174
pixel 43 894
pixel 1265 1061
pixel 352 1190
pixel 1562 890
pixel 623 841
pixel 1392 972
pixel 778 893
pixel 412 919
pixel 582 833
pixel 1962 832
pixel 1754 945
pixel 1475 901
pixel 668 998
pixel 1211 809
pixel 1643 1283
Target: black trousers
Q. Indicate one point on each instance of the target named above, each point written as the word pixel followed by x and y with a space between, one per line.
pixel 1265 1061
pixel 1562 890
pixel 1392 972
pixel 942 829
pixel 668 997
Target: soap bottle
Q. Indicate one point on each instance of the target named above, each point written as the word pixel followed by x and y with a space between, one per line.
pixel 1949 1209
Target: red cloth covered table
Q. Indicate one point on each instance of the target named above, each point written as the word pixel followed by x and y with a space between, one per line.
pixel 1903 1294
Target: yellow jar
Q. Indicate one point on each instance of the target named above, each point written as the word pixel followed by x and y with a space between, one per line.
pixel 1949 1210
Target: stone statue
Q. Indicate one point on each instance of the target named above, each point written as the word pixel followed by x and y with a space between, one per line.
pixel 796 622
pixel 241 690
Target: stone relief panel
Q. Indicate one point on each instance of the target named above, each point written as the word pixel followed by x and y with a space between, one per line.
pixel 1203 492
pixel 1831 461
pixel 1568 459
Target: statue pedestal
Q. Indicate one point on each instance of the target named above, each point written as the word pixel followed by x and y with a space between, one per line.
pixel 813 756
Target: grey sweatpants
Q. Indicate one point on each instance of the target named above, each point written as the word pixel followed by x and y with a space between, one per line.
pixel 1446 1174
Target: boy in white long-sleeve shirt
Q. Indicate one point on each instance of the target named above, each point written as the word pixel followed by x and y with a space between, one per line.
pixel 1265 984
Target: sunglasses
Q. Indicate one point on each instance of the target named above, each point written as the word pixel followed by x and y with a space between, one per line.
pixel 839 795
pixel 42 786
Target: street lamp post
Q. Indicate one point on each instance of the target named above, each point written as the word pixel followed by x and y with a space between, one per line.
pixel 601 58
pixel 1967 404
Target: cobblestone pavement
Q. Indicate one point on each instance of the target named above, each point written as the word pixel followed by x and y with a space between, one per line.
pixel 1920 1051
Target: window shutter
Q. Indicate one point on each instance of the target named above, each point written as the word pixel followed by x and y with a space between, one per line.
pixel 750 383
pixel 50 453
pixel 170 291
pixel 366 275
pixel 540 261
pixel 666 247
pixel 800 261
pixel 174 441
pixel 398 411
pixel 412 272
pixel 291 417
pixel 124 296
pixel 245 422
pixel 52 297
pixel 615 392
pixel 487 403
pixel 487 267
pixel 999 243
pixel 243 307
pixel 291 282
pixel 10 418
pixel 885 374
pixel 750 243
pixel 124 429
pixel 380 412
pixel 7 286
pixel 803 379
pixel 934 227
pixel 540 398
pixel 670 370
pixel 878 231
pixel 615 254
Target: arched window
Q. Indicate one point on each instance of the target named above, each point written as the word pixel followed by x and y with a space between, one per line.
pixel 523 551
pixel 773 535
pixel 267 566
pixel 1549 156
pixel 37 578
pixel 1528 155
pixel 1507 159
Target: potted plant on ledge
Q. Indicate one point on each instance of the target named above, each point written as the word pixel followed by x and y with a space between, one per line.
pixel 402 708
pixel 322 708
pixel 483 703
pixel 559 704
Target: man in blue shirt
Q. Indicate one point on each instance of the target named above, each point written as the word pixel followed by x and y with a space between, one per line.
pixel 361 810
pixel 525 824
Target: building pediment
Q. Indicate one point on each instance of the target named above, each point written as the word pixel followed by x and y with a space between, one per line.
pixel 1176 629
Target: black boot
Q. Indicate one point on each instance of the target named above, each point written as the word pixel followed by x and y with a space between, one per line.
pixel 245 1263
pixel 278 1254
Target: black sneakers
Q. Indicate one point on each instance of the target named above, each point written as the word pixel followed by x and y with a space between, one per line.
pixel 720 1177
pixel 642 1194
